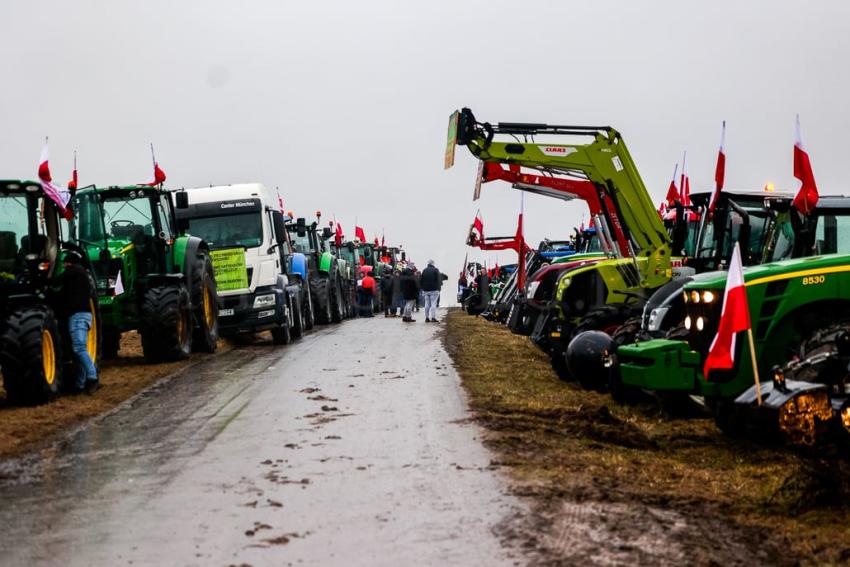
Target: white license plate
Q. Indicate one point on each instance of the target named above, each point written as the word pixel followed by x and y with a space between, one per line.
pixel 268 313
pixel 225 312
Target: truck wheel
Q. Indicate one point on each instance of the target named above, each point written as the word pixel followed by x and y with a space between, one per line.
pixel 321 300
pixel 166 324
pixel 297 317
pixel 111 343
pixel 31 356
pixel 205 305
pixel 336 301
pixel 281 335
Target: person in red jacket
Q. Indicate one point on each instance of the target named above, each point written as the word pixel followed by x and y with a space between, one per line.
pixel 365 294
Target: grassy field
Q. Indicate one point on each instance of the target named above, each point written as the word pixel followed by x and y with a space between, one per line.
pixel 562 443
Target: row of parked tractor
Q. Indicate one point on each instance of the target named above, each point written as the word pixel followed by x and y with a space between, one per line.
pixel 179 267
pixel 635 311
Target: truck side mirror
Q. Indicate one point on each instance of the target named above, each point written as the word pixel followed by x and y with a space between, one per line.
pixel 279 227
pixel 181 200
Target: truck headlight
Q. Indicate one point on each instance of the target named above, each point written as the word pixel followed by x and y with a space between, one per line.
pixel 532 288
pixel 656 316
pixel 264 301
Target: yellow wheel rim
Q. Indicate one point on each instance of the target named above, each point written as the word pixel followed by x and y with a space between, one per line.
pixel 48 356
pixel 91 338
pixel 209 314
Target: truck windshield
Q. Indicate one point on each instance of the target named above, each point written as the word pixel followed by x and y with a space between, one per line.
pixel 243 229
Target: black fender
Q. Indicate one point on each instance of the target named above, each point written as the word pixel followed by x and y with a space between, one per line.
pixel 193 246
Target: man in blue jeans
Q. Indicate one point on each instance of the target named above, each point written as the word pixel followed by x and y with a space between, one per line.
pixel 74 295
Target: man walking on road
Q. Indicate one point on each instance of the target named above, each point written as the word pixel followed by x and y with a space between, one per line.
pixel 431 281
pixel 409 291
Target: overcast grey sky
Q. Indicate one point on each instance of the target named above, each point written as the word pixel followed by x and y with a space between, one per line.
pixel 344 105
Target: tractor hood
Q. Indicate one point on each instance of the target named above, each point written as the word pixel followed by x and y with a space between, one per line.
pixel 783 270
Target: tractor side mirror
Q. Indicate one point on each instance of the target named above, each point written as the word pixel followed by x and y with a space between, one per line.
pixel 326 233
pixel 351 247
pixel 403 256
pixel 181 200
pixel 301 227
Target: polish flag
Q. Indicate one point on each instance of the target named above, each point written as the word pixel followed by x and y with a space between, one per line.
pixel 807 197
pixel 476 231
pixel 338 235
pixel 734 319
pixel 719 170
pixel 359 233
pixel 520 238
pixel 72 185
pixel 158 174
pixel 685 182
pixel 55 193
pixel 673 191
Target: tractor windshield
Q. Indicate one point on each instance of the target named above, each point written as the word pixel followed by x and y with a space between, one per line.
pixel 243 229
pixel 127 217
pixel 730 232
pixel 301 243
pixel 22 229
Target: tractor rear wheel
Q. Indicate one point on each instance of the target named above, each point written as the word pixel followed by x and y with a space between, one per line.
pixel 321 300
pixel 31 356
pixel 204 304
pixel 309 317
pixel 166 326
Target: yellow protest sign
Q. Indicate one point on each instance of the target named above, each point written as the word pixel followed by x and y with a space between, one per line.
pixel 230 270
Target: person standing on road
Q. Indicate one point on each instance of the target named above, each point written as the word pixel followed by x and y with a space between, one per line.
pixel 365 293
pixel 74 294
pixel 431 281
pixel 398 300
pixel 387 291
pixel 409 291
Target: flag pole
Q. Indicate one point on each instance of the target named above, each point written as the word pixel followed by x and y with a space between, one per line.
pixel 755 367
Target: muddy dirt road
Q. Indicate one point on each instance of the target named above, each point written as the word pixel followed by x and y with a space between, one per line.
pixel 349 447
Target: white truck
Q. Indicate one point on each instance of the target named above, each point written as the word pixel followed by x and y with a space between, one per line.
pixel 261 281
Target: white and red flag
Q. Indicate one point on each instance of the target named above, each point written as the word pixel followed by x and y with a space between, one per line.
pixel 158 174
pixel 719 170
pixel 521 250
pixel 338 235
pixel 685 182
pixel 73 184
pixel 476 231
pixel 807 197
pixel 55 193
pixel 734 319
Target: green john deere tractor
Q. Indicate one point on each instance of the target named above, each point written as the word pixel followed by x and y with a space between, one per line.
pixel 604 294
pixel 794 304
pixel 151 276
pixel 326 274
pixel 36 358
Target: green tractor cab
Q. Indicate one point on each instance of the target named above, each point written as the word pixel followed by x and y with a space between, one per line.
pixel 325 273
pixel 791 303
pixel 35 347
pixel 151 276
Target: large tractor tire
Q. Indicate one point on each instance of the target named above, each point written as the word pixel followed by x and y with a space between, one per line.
pixel 166 326
pixel 309 316
pixel 607 318
pixel 337 314
pixel 297 317
pixel 204 305
pixel 321 300
pixel 31 356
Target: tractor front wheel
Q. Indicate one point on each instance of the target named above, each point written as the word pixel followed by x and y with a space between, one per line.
pixel 31 356
pixel 297 317
pixel 321 300
pixel 166 326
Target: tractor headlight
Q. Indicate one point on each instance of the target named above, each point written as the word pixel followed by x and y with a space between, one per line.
pixel 708 296
pixel 845 417
pixel 695 296
pixel 686 296
pixel 688 322
pixel 700 323
pixel 656 316
pixel 532 288
pixel 264 301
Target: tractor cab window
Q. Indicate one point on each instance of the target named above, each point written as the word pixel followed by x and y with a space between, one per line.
pixel 14 229
pixel 301 243
pixel 127 218
pixel 832 235
pixel 164 205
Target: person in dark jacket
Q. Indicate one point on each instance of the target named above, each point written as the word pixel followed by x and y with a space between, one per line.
pixel 431 281
pixel 365 294
pixel 75 293
pixel 387 292
pixel 409 291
